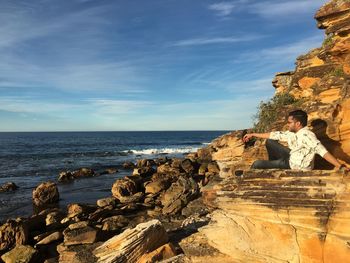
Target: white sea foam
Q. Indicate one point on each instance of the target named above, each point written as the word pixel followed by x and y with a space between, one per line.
pixel 163 151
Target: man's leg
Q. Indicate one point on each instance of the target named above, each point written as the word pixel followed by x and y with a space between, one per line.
pixel 276 151
pixel 273 164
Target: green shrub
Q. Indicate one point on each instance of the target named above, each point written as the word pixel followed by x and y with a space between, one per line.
pixel 328 41
pixel 337 72
pixel 269 111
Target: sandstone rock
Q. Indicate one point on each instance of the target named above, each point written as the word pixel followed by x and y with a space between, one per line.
pixel 77 253
pixel 114 223
pixel 176 163
pixel 144 171
pixel 13 233
pixel 213 168
pixel 168 169
pixel 82 172
pixel 7 187
pixel 123 188
pixel 80 235
pixel 106 201
pixel 278 216
pixel 157 186
pixel 50 238
pixel 164 252
pixel 46 193
pixel 178 195
pixel 130 245
pixel 21 254
pixel 66 176
pixel 54 217
pixel 79 210
pixel 135 198
pixel 145 163
pixel 188 166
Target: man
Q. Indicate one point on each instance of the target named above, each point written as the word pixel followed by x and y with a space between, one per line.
pixel 302 143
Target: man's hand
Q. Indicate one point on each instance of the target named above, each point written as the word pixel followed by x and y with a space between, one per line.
pixel 248 136
pixel 342 168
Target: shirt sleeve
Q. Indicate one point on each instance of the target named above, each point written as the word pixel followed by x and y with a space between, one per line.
pixel 279 135
pixel 311 140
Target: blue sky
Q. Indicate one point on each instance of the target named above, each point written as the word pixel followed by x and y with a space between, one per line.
pixel 110 65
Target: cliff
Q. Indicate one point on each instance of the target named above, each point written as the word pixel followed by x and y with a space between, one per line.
pixel 288 216
pixel 320 84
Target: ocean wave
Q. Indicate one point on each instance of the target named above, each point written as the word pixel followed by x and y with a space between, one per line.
pixel 163 151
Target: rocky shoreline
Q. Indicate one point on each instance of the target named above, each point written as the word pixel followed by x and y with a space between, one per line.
pixel 144 218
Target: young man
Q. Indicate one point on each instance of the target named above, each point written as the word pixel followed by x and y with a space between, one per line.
pixel 302 143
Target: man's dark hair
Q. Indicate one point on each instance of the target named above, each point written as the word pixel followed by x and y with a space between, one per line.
pixel 300 116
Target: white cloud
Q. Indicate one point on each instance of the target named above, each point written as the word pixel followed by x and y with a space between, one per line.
pixel 216 40
pixel 116 107
pixel 222 8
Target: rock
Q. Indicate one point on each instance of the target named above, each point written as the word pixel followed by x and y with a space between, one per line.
pixel 46 193
pixel 162 160
pixel 50 238
pixel 77 235
pixel 7 187
pixel 77 253
pixel 54 217
pixel 135 198
pixel 203 169
pixel 164 252
pixel 278 214
pixel 65 176
pixel 123 188
pixel 21 254
pixel 145 163
pixel 178 195
pixel 106 202
pixel 110 171
pixel 79 210
pixel 188 166
pixel 130 245
pixel 157 186
pixel 168 169
pixel 13 233
pixel 176 163
pixel 114 223
pixel 213 168
pixel 144 171
pixel 128 165
pixel 82 172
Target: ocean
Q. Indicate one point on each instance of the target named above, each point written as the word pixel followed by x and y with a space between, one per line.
pixel 30 158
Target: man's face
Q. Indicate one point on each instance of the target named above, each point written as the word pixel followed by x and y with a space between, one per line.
pixel 293 125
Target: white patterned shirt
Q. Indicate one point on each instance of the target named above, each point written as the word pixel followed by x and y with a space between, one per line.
pixel 303 146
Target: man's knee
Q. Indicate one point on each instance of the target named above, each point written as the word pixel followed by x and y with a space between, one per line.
pixel 270 142
pixel 258 164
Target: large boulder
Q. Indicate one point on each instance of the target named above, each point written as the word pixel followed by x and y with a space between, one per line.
pixel 130 245
pixel 124 187
pixel 46 193
pixel 12 233
pixel 178 195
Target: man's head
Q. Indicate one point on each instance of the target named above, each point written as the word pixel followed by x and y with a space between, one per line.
pixel 296 120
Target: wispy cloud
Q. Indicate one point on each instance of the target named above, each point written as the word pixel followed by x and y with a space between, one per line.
pixel 282 53
pixel 216 40
pixel 222 8
pixel 114 107
pixel 273 9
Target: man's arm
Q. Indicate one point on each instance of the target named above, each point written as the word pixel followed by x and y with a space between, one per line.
pixel 248 136
pixel 331 159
